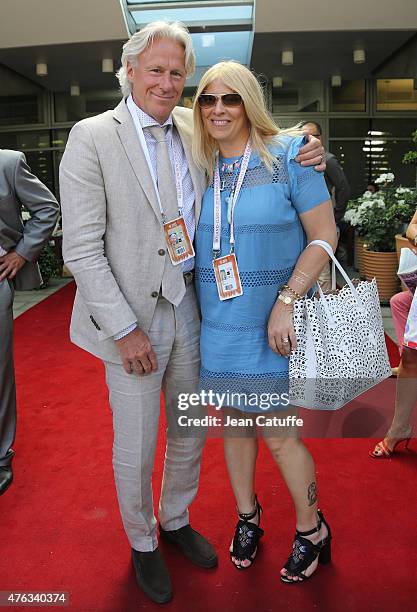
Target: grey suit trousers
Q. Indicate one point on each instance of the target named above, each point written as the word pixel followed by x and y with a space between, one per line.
pixel 135 403
pixel 7 380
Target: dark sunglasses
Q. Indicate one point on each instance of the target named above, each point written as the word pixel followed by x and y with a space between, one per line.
pixel 229 100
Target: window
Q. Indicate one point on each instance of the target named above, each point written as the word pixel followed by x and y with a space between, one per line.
pixel 22 141
pixel 299 96
pixel 73 108
pixel 396 95
pixel 349 128
pixel 349 97
pixel 21 101
pixel 364 160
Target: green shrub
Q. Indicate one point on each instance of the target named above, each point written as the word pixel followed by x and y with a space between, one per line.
pixel 48 264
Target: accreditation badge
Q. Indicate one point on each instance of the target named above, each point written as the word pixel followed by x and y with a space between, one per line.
pixel 227 277
pixel 180 247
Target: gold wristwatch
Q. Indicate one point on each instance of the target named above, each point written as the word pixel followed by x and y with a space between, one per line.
pixel 287 299
pixel 288 295
pixel 415 240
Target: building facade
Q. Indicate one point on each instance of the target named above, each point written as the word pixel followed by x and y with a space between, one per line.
pixel 352 67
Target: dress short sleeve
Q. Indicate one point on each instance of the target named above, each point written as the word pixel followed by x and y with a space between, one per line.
pixel 307 186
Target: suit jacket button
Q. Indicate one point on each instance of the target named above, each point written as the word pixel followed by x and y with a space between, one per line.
pixel 154 294
pixel 161 252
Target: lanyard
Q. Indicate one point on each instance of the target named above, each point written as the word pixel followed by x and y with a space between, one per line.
pixel 218 203
pixel 177 164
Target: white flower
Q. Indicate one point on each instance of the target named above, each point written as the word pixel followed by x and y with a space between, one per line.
pixel 401 202
pixel 25 215
pixel 367 195
pixel 402 190
pixel 352 217
pixel 385 178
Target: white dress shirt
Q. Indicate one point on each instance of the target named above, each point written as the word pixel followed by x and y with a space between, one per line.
pixel 173 140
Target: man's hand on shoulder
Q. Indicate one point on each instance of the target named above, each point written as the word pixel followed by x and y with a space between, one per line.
pixel 137 353
pixel 10 264
pixel 312 154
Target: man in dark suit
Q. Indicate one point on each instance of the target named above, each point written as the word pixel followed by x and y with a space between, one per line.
pixel 20 246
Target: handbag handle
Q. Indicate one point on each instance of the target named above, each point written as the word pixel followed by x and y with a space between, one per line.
pixel 326 246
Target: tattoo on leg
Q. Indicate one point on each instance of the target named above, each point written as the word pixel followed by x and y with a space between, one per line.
pixel 312 494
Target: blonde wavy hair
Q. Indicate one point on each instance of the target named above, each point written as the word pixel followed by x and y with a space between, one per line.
pixel 263 130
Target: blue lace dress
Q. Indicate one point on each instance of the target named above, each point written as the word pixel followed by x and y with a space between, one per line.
pixel 269 237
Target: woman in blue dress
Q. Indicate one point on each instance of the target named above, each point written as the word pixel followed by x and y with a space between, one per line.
pixel 259 212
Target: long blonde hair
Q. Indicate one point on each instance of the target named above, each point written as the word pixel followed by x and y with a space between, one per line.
pixel 263 130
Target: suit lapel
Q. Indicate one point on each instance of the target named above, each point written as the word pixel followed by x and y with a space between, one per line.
pixel 130 141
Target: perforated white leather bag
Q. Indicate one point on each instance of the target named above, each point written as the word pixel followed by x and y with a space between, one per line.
pixel 341 350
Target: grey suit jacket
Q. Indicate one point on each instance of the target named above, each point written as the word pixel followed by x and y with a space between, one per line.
pixel 112 228
pixel 18 186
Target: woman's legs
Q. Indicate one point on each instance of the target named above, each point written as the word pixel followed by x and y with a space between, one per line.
pixel 240 451
pixel 297 468
pixel 406 398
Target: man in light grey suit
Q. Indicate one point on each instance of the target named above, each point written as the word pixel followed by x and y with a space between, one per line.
pixel 123 175
pixel 20 246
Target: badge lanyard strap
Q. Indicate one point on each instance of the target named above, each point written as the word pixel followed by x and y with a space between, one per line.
pixel 218 204
pixel 177 165
pixel 178 177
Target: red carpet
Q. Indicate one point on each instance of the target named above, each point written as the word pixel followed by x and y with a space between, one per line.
pixel 60 529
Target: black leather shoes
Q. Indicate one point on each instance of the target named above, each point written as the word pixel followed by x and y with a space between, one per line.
pixel 6 478
pixel 152 575
pixel 193 545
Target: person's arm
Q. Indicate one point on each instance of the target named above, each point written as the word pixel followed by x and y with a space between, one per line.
pixel 411 233
pixel 338 179
pixel 310 198
pixel 44 209
pixel 318 224
pixel 41 204
pixel 83 202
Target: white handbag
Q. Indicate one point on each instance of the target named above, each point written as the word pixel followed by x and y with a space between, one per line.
pixel 341 350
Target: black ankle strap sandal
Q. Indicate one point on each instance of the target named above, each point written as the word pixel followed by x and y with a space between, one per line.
pixel 246 538
pixel 304 552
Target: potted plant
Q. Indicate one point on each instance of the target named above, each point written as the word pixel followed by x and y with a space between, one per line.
pixel 378 217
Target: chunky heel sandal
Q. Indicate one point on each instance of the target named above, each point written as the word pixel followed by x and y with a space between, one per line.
pixel 246 538
pixel 304 552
